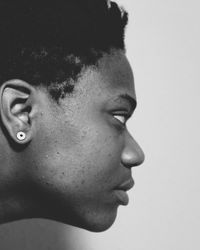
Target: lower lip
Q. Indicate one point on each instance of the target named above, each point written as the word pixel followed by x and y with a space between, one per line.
pixel 122 197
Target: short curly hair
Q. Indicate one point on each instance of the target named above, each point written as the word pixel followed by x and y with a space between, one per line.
pixel 49 42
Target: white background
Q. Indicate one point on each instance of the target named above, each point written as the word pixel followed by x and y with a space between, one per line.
pixel 163 46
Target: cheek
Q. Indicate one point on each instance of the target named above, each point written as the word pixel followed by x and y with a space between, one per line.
pixel 95 159
pixel 50 151
pixel 73 159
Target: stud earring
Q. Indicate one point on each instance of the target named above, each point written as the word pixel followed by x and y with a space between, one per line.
pixel 21 136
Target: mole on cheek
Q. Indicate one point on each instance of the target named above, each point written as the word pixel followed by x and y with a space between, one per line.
pixel 62 175
pixel 82 182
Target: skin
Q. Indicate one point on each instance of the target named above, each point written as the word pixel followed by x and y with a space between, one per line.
pixel 76 153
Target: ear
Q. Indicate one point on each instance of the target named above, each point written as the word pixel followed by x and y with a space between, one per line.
pixel 18 108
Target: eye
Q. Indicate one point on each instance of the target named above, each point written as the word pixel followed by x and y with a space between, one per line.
pixel 121 118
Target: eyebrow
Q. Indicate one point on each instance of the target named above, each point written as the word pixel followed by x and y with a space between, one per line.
pixel 130 99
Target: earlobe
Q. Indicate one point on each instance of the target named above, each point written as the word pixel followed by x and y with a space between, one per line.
pixel 16 106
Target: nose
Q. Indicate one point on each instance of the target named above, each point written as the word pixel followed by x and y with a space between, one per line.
pixel 132 154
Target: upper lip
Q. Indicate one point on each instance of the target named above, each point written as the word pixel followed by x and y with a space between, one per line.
pixel 126 185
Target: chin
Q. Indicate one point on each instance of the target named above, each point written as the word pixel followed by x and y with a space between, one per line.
pixel 96 223
pixel 93 222
pixel 94 226
pixel 91 218
pixel 98 227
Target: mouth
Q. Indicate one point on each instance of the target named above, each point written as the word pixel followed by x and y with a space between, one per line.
pixel 126 185
pixel 120 191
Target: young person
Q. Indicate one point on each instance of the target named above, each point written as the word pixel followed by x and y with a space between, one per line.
pixel 66 92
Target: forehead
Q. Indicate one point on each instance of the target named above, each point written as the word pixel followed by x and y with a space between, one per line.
pixel 112 77
pixel 116 73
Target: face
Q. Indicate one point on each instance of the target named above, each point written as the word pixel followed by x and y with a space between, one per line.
pixel 81 158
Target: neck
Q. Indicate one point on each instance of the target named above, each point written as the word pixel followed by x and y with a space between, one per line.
pixel 17 207
pixel 10 209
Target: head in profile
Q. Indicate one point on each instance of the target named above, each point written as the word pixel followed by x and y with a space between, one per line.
pixel 66 93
